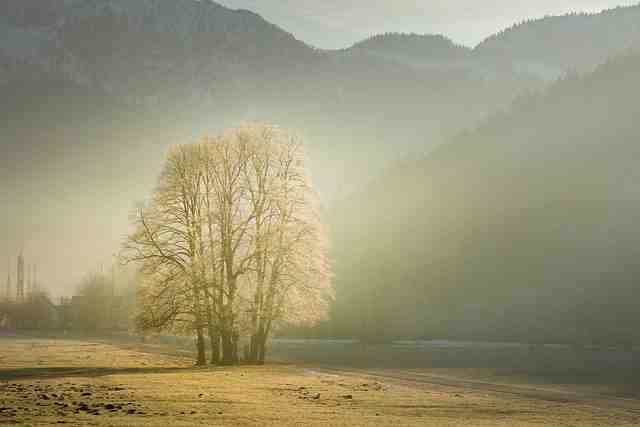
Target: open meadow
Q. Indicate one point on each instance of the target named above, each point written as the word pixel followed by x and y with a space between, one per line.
pixel 50 381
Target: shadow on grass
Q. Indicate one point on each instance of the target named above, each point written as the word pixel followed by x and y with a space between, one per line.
pixel 63 372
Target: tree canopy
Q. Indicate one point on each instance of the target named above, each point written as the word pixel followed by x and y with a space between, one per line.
pixel 231 243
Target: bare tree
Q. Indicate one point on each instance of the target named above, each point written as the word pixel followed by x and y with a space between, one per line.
pixel 166 243
pixel 228 218
pixel 290 274
pixel 231 242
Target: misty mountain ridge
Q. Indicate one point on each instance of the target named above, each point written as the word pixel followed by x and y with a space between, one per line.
pixel 555 44
pixel 182 17
pixel 93 79
pixel 545 48
pixel 118 81
pixel 205 43
pixel 143 47
pixel 206 61
pixel 418 47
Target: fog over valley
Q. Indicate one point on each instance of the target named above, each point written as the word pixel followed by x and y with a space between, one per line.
pixel 450 178
pixel 289 213
pixel 87 119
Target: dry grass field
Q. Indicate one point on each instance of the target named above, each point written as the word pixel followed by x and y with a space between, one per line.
pixel 52 382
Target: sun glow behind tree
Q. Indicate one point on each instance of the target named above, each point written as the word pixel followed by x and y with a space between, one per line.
pixel 231 243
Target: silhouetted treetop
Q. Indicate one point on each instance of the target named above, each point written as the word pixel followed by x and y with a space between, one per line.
pixel 425 47
pixel 561 42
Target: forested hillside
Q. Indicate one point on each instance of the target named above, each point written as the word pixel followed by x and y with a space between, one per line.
pixel 412 47
pixel 120 81
pixel 550 46
pixel 218 66
pixel 523 229
pixel 200 66
pixel 544 48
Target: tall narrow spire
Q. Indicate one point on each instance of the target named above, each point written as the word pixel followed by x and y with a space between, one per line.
pixel 27 279
pixel 20 279
pixel 8 289
pixel 31 279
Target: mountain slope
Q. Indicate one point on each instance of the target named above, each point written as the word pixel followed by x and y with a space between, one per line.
pixel 415 47
pixel 95 90
pixel 523 229
pixel 544 48
pixel 553 45
pixel 144 48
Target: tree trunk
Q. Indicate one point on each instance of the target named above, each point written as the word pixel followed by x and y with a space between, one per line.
pixel 253 349
pixel 258 348
pixel 229 349
pixel 262 349
pixel 200 344
pixel 201 358
pixel 214 338
pixel 234 341
pixel 228 333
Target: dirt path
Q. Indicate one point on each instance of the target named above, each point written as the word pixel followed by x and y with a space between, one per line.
pixel 429 381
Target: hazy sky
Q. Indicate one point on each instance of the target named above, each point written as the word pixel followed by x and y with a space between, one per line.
pixel 339 23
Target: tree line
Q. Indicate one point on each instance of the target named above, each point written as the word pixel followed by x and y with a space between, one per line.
pixel 231 244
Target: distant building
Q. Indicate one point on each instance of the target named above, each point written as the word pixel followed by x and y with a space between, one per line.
pixel 98 312
pixel 82 313
pixel 36 312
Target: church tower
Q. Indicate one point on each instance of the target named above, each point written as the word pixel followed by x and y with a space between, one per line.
pixel 34 287
pixel 20 279
pixel 29 280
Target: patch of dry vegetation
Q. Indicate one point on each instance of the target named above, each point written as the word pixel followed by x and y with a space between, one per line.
pixel 79 383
